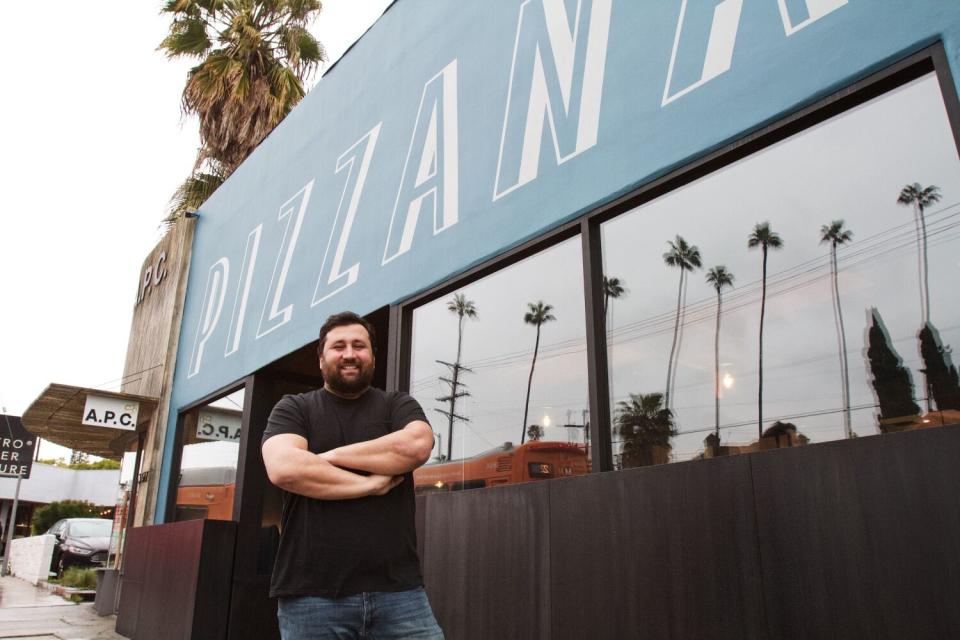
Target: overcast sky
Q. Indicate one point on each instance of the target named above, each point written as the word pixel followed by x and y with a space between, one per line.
pixel 94 146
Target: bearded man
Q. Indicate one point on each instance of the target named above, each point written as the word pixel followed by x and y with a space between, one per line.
pixel 347 565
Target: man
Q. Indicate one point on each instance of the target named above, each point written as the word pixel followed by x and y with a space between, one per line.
pixel 347 565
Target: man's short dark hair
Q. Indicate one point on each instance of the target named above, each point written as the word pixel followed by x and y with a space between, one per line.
pixel 343 319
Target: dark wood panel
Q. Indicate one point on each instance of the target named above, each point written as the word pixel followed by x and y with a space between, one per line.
pixel 176 581
pixel 860 539
pixel 214 581
pixel 486 562
pixel 664 552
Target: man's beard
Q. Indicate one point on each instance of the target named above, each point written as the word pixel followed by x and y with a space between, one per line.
pixel 339 384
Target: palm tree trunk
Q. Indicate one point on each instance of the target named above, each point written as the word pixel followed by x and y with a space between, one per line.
pixel 716 371
pixel 673 345
pixel 763 305
pixel 924 288
pixel 925 265
pixel 526 404
pixel 842 343
pixel 683 313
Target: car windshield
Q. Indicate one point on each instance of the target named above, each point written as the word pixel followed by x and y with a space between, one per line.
pixel 90 528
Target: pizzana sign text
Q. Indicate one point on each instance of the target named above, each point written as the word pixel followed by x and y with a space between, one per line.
pixel 554 87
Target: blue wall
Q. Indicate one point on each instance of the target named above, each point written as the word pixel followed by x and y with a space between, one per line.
pixel 438 106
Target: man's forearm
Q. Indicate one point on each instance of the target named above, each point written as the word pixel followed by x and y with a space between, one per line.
pixel 393 454
pixel 310 475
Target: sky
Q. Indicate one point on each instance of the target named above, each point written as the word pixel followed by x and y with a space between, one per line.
pixel 94 146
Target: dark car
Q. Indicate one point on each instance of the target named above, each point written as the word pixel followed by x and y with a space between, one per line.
pixel 80 542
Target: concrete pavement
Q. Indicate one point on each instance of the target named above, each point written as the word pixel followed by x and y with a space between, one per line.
pixel 28 613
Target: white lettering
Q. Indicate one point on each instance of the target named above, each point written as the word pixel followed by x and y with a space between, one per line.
pixel 339 279
pixel 436 181
pixel 213 298
pixel 816 9
pixel 567 98
pixel 721 36
pixel 273 317
pixel 243 291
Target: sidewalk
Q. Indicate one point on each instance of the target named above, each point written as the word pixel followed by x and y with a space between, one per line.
pixel 31 613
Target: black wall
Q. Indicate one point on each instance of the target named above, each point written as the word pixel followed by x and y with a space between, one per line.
pixel 851 539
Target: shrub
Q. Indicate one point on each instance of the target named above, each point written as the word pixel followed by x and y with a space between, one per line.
pixel 47 515
pixel 79 578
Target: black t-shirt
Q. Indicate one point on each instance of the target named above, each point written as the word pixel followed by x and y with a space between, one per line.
pixel 335 548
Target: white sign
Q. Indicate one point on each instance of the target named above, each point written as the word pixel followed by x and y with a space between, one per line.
pixel 218 425
pixel 116 413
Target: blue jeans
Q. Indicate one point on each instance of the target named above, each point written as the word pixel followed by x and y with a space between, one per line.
pixel 378 615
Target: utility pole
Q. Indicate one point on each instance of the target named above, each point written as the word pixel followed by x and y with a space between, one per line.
pixel 457 390
pixel 5 568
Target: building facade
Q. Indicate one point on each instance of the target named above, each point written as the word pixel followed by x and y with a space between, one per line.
pixel 635 233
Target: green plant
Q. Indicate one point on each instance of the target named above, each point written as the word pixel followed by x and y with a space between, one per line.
pixel 83 466
pixel 79 578
pixel 47 515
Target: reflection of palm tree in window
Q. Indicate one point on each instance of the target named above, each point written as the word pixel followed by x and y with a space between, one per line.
pixel 463 308
pixel 685 257
pixel 763 237
pixel 535 432
pixel 538 314
pixel 645 426
pixel 718 277
pixel 613 289
pixel 836 235
pixel 919 198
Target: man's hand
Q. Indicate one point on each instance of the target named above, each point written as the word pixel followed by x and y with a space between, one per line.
pixel 382 485
pixel 293 468
pixel 393 454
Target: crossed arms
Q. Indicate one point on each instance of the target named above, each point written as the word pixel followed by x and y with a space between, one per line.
pixel 323 476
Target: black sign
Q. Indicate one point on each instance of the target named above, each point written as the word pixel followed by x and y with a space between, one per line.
pixel 16 447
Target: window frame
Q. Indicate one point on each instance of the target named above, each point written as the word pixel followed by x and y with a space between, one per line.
pixel 930 58
pixel 170 499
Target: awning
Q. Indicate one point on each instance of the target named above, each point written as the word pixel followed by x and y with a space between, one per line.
pixel 57 415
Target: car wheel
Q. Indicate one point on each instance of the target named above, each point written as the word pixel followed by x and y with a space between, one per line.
pixel 61 566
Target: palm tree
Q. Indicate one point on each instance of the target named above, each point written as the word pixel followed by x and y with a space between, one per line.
pixel 835 235
pixel 254 56
pixel 919 198
pixel 464 309
pixel 685 257
pixel 644 423
pixel 613 288
pixel 537 314
pixel 766 239
pixel 194 191
pixel 535 432
pixel 718 277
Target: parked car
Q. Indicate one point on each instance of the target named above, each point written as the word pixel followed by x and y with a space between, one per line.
pixel 80 542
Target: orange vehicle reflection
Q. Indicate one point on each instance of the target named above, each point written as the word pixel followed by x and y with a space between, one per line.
pixel 205 493
pixel 537 460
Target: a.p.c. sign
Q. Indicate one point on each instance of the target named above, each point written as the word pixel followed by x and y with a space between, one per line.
pixel 116 413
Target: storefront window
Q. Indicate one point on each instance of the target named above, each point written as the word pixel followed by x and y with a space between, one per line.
pixel 821 245
pixel 499 366
pixel 210 442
